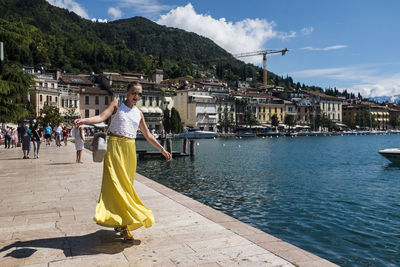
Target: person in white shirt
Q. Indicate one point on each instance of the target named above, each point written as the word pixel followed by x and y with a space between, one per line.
pixel 57 134
pixel 119 206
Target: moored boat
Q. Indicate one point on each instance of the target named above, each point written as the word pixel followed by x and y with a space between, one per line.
pixel 197 134
pixel 392 154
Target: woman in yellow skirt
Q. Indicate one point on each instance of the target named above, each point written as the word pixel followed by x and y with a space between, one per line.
pixel 119 206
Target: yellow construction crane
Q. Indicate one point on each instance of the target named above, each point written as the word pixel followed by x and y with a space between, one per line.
pixel 264 53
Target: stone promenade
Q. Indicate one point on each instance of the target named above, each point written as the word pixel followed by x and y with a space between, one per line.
pixel 47 206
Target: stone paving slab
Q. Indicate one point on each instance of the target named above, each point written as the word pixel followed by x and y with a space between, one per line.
pixel 47 206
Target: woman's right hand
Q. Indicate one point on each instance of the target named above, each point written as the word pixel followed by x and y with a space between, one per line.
pixel 78 122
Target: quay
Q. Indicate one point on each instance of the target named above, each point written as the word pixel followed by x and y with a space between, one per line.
pixel 47 206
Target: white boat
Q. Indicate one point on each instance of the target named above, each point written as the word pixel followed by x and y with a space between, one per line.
pixel 197 134
pixel 392 154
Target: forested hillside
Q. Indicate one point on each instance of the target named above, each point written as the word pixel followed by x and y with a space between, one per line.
pixel 38 34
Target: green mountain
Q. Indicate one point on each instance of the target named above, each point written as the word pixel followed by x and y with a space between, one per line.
pixel 38 34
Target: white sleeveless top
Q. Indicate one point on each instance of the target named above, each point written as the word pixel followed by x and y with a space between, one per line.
pixel 125 121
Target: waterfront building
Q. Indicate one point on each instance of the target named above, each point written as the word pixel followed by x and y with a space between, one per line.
pixel 352 114
pixel 45 92
pixel 94 100
pixel 290 109
pixel 197 109
pixel 50 91
pixel 330 106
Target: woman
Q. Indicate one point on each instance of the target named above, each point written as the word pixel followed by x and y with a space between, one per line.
pixel 36 135
pixel 119 206
pixel 26 142
pixel 14 137
pixel 79 135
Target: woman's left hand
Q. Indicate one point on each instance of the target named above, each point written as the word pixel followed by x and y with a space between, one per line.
pixel 166 154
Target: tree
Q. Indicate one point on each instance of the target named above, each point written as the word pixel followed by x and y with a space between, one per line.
pixel 290 120
pixel 249 118
pixel 167 121
pixel 176 124
pixel 274 121
pixel 394 120
pixel 51 115
pixel 70 115
pixel 226 122
pixel 14 87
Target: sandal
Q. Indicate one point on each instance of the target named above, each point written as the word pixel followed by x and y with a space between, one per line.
pixel 127 236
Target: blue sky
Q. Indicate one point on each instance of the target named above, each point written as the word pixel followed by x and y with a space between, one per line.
pixel 348 44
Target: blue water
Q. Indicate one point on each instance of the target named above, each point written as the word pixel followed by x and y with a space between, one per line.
pixel 333 196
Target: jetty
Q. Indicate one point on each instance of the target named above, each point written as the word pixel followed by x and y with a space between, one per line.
pixel 47 207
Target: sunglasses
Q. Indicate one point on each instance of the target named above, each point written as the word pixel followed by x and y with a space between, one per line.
pixel 137 94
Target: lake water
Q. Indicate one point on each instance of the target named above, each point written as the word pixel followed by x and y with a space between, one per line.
pixel 333 196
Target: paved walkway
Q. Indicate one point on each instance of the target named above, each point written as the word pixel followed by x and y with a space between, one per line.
pixel 47 206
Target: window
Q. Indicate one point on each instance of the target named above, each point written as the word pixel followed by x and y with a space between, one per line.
pixel 56 99
pixel 143 100
pixel 157 101
pixel 86 113
pixel 269 109
pixel 40 98
pixel 50 98
pixel 86 100
pixel 96 112
pixel 276 110
pixel 151 101
pixel 281 110
pixel 70 103
pixel 96 100
pixel 106 100
pixel 76 103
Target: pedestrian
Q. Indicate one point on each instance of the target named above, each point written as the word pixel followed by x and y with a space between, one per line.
pixel 7 137
pixel 15 137
pixel 26 142
pixel 65 133
pixel 57 134
pixel 36 135
pixel 79 135
pixel 119 206
pixel 47 133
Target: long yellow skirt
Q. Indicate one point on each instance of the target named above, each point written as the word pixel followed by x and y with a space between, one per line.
pixel 119 205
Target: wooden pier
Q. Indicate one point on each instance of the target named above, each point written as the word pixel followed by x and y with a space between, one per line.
pixel 143 153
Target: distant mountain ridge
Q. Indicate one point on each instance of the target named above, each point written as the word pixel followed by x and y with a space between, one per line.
pixel 391 99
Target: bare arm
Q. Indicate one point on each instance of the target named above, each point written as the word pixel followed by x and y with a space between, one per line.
pixel 81 134
pixel 150 138
pixel 101 117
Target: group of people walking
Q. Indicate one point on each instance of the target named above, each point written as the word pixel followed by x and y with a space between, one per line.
pixel 23 136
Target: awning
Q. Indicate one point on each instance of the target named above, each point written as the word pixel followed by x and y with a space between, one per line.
pixel 152 110
pixel 158 110
pixel 212 116
pixel 168 99
pixel 144 110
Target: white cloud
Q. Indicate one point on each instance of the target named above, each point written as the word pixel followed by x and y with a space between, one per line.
pixel 366 79
pixel 115 12
pixel 143 7
pixel 333 47
pixel 247 35
pixel 70 5
pixel 307 30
